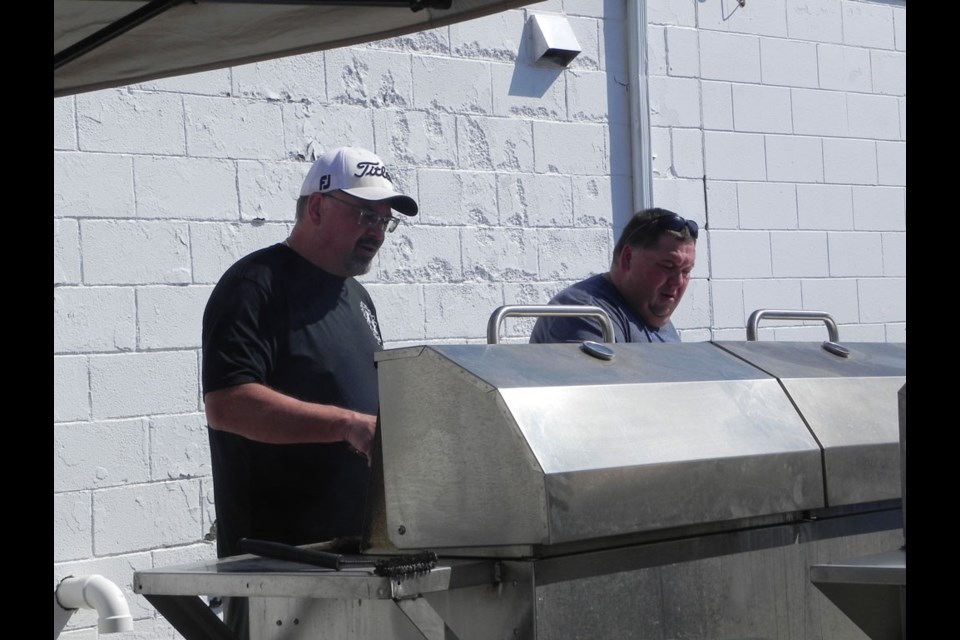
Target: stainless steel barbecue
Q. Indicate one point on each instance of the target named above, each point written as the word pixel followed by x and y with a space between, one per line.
pixel 630 491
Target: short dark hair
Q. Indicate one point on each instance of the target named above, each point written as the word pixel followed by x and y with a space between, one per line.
pixel 301 207
pixel 641 234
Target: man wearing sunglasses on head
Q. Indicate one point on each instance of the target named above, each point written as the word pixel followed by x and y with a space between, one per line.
pixel 649 274
pixel 289 381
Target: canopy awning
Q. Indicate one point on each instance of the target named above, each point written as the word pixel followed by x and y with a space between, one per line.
pixel 99 44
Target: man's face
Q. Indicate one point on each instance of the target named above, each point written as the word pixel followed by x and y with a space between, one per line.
pixel 349 246
pixel 654 280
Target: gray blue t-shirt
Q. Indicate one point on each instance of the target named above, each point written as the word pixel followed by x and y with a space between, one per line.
pixel 598 291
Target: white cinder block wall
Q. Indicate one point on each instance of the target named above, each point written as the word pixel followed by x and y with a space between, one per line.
pixel 780 124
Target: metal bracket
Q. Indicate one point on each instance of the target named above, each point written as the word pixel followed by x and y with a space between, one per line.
pixel 427 621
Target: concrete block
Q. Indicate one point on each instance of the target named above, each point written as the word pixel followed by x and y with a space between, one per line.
pixel 554 140
pixel 493 37
pixel 855 254
pixel 499 255
pixel 767 205
pixel 677 12
pixel 771 294
pixel 310 130
pixel 761 109
pixel 727 56
pixel 587 32
pixel 431 41
pixel 72 526
pixel 133 252
pixel 788 63
pixel 460 310
pixel 170 317
pixel 844 68
pixel 66 251
pixel 863 333
pixel 422 254
pixel 889 72
pixel 816 20
pixel 457 198
pixel 661 152
pixel 825 206
pixel 849 161
pixel 728 311
pixel 835 296
pixel 65 123
pixel 683 52
pixel 674 102
pixel 144 517
pixel 723 205
pixel 688 153
pixel 125 121
pixel 883 299
pixel 233 128
pixel 874 117
pixel 740 255
pixel 799 254
pixel 535 200
pixel 206 83
pixel 400 311
pixel 734 156
pixel 466 88
pixel 568 254
pixel 185 188
pixel 269 190
pixel 524 91
pixel 118 384
pixel 903 118
pixel 766 18
pixel 879 209
pixel 365 77
pixel 415 138
pixel 794 158
pixel 71 388
pixel 92 184
pixel 591 97
pixel 717 105
pixel 93 319
pixel 596 198
pixel 292 78
pixel 682 196
pixel 868 25
pixel 895 331
pixel 894 254
pixel 180 447
pixel 656 51
pixel 101 454
pixel 496 143
pixel 819 113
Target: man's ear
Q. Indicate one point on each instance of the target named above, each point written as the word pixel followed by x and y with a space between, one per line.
pixel 626 256
pixel 315 208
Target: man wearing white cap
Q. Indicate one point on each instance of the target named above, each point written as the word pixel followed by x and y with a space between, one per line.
pixel 289 382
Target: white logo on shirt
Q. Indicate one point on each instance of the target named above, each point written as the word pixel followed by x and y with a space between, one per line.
pixel 372 322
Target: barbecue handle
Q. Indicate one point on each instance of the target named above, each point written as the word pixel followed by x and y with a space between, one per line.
pixel 281 551
pixel 537 310
pixel 780 314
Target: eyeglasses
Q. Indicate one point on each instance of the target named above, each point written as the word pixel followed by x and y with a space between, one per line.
pixel 669 222
pixel 368 218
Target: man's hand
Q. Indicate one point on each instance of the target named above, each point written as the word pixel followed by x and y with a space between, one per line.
pixel 360 434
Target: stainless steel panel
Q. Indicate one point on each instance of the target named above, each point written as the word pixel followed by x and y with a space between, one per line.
pixel 851 406
pixel 490 445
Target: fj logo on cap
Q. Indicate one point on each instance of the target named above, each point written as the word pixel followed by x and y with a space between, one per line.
pixel 324 182
pixel 372 169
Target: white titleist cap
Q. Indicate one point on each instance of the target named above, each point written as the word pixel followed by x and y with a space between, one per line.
pixel 358 172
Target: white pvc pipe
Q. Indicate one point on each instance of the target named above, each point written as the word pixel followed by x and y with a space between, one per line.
pixel 96 592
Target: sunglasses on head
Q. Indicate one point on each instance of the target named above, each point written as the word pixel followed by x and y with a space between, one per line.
pixel 669 222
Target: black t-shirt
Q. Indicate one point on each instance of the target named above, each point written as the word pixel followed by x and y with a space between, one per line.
pixel 276 319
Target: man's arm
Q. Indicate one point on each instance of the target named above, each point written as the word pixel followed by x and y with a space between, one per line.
pixel 259 413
